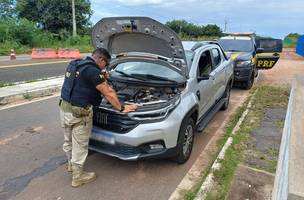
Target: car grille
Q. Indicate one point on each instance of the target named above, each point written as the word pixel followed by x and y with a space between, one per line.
pixel 119 149
pixel 111 121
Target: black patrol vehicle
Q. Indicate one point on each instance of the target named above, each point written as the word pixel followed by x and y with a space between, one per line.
pixel 249 54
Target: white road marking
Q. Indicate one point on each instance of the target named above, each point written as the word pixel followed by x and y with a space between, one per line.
pixel 28 102
pixel 33 64
pixel 7 140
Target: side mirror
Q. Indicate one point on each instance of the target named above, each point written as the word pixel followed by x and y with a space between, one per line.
pixel 260 50
pixel 204 77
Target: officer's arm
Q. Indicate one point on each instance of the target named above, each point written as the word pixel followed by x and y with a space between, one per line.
pixel 109 94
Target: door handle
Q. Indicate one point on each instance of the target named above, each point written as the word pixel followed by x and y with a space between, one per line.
pixel 198 94
pixel 212 77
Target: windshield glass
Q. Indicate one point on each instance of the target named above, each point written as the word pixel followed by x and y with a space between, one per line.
pixel 236 45
pixel 148 68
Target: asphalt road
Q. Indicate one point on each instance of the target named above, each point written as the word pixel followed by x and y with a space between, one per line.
pixel 26 70
pixel 32 162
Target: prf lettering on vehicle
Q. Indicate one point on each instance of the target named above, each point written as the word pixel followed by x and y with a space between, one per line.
pixel 266 63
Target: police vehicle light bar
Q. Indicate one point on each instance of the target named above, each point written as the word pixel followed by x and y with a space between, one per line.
pixel 241 33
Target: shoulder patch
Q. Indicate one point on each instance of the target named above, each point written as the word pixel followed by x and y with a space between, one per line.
pixel 67 74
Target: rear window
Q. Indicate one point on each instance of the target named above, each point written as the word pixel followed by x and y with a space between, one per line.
pixel 216 57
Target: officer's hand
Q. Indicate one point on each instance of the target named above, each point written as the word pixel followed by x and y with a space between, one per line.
pixel 107 75
pixel 130 108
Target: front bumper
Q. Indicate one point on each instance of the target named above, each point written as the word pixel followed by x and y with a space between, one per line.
pixel 130 153
pixel 134 145
pixel 242 73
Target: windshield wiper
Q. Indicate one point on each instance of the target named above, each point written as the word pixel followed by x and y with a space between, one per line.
pixel 128 75
pixel 154 77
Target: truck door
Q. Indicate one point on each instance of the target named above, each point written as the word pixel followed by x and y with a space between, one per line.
pixel 219 73
pixel 268 52
pixel 206 82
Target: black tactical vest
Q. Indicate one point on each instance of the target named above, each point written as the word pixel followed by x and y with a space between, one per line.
pixel 77 90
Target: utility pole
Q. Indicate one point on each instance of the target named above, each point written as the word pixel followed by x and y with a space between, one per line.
pixel 180 30
pixel 225 29
pixel 74 18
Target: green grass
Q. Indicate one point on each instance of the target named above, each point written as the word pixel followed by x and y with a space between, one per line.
pixel 5 84
pixel 83 43
pixel 280 124
pixel 27 96
pixel 190 195
pixel 265 96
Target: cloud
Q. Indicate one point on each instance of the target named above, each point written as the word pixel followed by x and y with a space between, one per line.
pixel 272 17
pixel 104 14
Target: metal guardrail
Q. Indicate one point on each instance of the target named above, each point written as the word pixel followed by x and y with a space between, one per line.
pixel 289 179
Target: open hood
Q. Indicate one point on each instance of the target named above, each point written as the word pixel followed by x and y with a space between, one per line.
pixel 123 35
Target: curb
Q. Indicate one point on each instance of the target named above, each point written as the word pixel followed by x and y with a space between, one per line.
pixel 209 183
pixel 194 175
pixel 12 94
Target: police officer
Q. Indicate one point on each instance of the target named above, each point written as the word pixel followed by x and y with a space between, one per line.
pixel 83 83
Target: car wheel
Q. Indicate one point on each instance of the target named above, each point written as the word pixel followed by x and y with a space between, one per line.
pixel 226 95
pixel 185 141
pixel 91 152
pixel 248 84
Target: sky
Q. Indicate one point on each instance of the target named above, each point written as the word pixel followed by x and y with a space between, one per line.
pixel 275 18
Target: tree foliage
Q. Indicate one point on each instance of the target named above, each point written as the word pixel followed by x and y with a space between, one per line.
pixel 23 32
pixel 7 9
pixel 293 35
pixel 184 28
pixel 56 15
pixel 23 35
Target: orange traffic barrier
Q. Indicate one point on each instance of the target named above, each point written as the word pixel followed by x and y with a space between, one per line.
pixel 43 54
pixel 69 53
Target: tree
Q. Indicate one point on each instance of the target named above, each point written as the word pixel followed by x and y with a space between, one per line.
pixel 184 28
pixel 293 35
pixel 56 15
pixel 212 30
pixel 7 9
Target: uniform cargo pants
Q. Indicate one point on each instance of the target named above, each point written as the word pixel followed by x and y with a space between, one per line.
pixel 77 131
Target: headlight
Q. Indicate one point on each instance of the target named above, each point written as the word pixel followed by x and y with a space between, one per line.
pixel 243 63
pixel 154 115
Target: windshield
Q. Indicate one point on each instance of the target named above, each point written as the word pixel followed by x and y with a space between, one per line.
pixel 236 45
pixel 148 68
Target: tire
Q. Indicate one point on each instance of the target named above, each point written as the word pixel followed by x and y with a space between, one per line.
pixel 185 141
pixel 91 152
pixel 248 84
pixel 226 95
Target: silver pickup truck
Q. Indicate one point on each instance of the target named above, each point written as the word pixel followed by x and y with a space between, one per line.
pixel 177 86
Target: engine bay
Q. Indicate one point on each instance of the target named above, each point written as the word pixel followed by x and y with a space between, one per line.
pixel 142 95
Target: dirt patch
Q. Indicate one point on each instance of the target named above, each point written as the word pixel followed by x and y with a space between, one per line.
pixel 251 184
pixel 264 143
pixel 290 54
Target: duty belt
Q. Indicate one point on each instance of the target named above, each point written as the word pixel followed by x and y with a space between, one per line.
pixel 75 110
